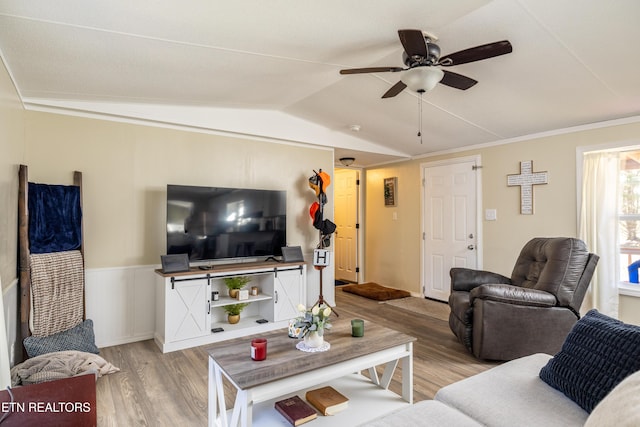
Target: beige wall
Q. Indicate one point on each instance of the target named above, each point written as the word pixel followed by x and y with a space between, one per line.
pixel 392 254
pixel 126 169
pixel 11 155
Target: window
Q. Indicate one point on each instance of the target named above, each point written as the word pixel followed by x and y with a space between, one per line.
pixel 629 211
pixel 609 219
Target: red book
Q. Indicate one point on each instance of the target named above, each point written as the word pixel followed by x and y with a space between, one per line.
pixel 296 410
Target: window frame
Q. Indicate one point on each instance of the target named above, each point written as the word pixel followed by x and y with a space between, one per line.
pixel 624 288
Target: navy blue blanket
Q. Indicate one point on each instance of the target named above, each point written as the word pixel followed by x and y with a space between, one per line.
pixel 55 218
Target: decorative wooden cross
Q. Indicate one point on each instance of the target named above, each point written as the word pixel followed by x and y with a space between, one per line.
pixel 526 179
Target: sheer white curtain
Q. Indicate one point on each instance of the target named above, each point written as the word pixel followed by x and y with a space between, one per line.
pixel 599 228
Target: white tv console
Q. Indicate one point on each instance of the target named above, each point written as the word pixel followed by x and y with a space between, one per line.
pixel 186 313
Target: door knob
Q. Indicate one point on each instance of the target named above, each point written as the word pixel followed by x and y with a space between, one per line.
pixel 471 247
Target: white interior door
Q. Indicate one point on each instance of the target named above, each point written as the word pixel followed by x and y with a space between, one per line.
pixel 346 219
pixel 449 223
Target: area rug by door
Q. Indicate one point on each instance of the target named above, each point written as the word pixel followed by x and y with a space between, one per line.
pixel 375 291
pixel 437 309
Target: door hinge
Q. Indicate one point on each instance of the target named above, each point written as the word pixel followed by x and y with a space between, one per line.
pixel 357 182
pixel 475 167
pixel 424 236
pixel 357 226
pixel 357 269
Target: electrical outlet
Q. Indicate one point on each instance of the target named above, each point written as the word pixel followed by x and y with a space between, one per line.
pixel 490 215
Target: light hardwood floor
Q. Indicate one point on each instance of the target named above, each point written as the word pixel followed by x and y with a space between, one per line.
pixel 170 389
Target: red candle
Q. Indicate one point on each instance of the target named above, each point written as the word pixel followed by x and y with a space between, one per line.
pixel 259 349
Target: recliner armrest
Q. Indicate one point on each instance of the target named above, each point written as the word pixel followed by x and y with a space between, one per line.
pixel 465 279
pixel 513 295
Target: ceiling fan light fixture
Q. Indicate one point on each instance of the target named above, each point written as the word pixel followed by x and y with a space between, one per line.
pixel 422 79
pixel 347 161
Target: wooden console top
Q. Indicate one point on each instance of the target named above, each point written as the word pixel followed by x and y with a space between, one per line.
pixel 230 268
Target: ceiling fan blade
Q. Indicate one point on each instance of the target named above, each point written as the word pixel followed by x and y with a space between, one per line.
pixel 395 89
pixel 477 53
pixel 371 70
pixel 413 42
pixel 457 81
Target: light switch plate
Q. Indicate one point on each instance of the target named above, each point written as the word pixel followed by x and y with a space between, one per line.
pixel 490 215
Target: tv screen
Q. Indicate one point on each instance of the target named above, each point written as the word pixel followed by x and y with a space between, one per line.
pixel 213 223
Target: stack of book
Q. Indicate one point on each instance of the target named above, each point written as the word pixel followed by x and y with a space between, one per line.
pixel 327 400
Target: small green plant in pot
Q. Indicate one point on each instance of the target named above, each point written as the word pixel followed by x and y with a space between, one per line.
pixel 233 312
pixel 235 283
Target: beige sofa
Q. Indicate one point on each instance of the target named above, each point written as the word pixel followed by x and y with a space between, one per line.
pixel 513 394
pixel 594 380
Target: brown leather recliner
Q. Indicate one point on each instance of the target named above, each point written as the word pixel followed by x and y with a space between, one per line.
pixel 501 318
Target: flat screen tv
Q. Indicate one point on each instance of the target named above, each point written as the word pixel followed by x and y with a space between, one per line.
pixel 213 223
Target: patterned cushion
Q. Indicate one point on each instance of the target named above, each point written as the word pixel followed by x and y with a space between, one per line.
pixel 597 355
pixel 80 338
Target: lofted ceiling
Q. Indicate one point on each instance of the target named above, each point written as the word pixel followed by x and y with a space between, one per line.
pixel 271 68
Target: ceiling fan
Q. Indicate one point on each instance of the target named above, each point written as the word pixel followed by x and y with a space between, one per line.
pixel 422 57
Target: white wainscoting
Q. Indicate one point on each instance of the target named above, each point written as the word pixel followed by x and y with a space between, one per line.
pixel 121 303
pixel 11 320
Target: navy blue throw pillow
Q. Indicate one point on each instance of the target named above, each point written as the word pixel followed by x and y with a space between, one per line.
pixel 597 355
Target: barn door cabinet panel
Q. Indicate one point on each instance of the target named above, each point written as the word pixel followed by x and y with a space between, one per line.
pixel 288 293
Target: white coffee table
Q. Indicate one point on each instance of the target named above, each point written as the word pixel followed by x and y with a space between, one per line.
pixel 288 371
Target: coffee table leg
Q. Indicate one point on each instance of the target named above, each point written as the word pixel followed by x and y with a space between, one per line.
pixel 242 414
pixel 217 406
pixel 213 409
pixel 387 375
pixel 407 375
pixel 373 375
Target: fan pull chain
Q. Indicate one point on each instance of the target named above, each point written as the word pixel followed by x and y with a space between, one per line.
pixel 420 117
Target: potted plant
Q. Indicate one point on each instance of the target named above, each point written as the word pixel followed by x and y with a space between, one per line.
pixel 233 311
pixel 235 283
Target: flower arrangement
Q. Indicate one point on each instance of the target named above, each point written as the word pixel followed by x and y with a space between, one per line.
pixel 314 320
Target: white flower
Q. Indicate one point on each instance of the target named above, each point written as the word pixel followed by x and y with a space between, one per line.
pixel 302 308
pixel 315 310
pixel 326 312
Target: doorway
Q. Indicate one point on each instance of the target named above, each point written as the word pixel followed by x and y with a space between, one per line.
pixel 450 223
pixel 347 219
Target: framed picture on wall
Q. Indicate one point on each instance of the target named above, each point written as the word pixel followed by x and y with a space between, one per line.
pixel 390 187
